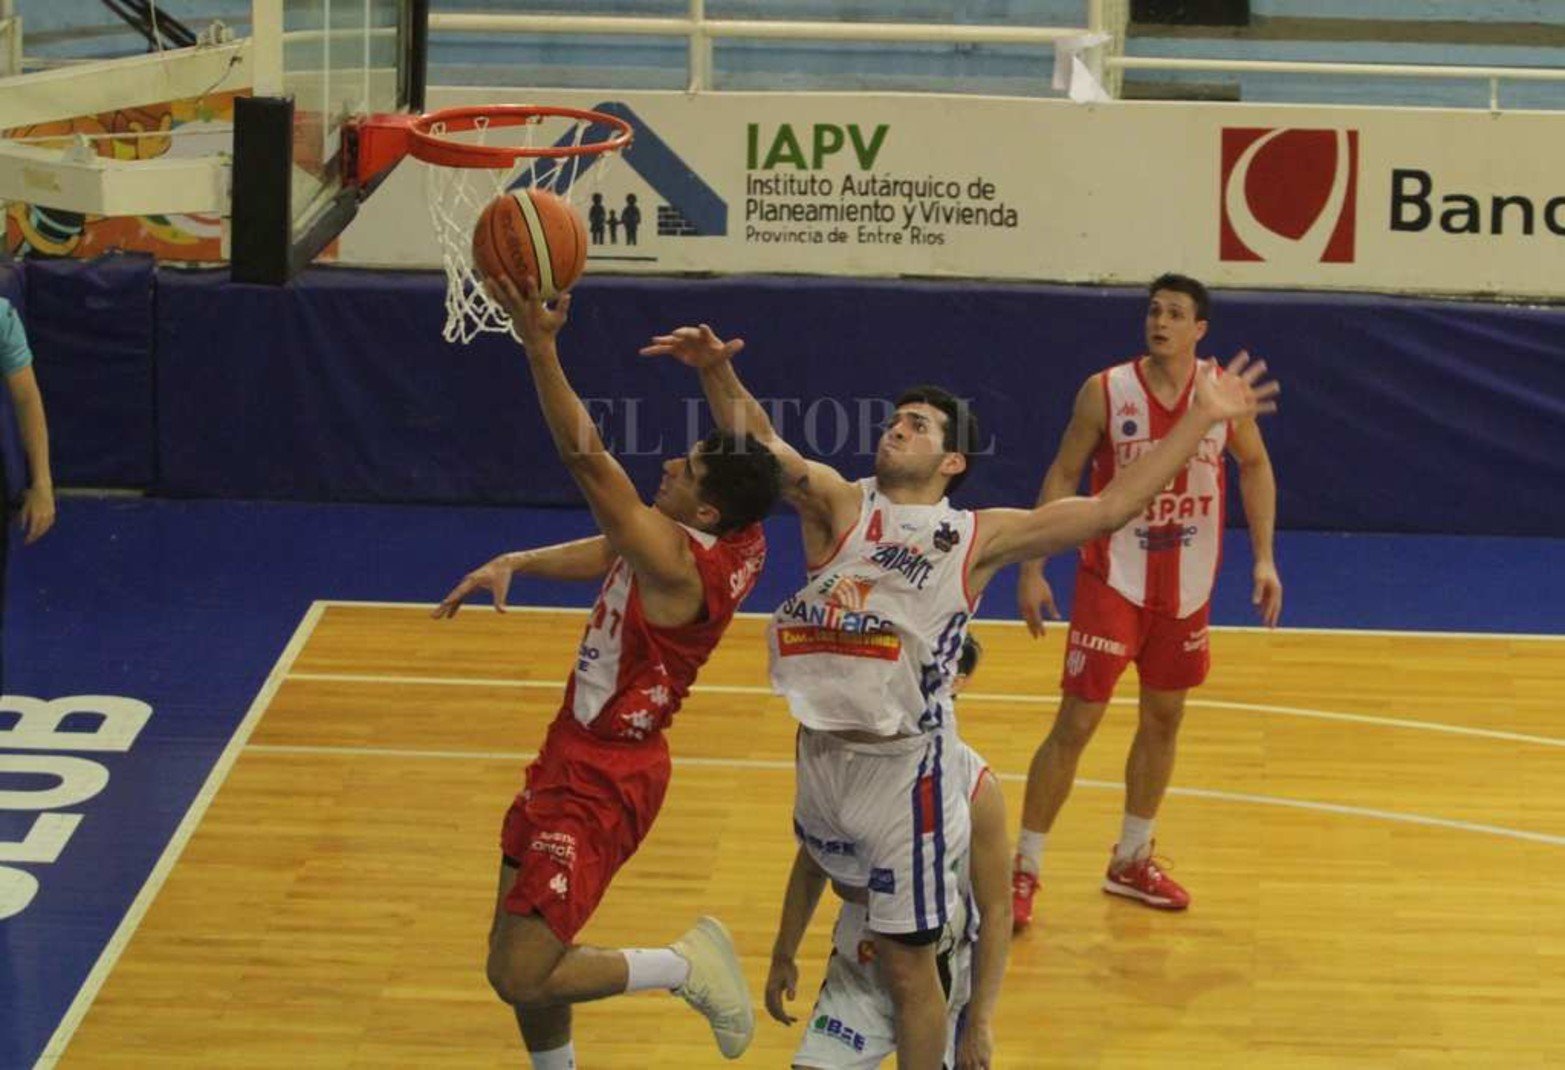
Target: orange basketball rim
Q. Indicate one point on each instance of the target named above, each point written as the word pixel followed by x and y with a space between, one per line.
pixel 468 166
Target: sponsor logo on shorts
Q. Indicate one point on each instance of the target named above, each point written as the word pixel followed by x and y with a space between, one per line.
pixel 1197 641
pixel 842 848
pixel 1075 662
pixel 883 881
pixel 1097 643
pixel 866 952
pixel 827 1026
pixel 561 846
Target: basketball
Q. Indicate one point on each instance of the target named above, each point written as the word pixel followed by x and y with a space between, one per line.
pixel 531 234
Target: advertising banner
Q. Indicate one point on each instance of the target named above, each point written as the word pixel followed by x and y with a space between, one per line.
pixel 1410 200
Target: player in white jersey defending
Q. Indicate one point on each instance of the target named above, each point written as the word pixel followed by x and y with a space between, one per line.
pixel 865 652
pixel 674 573
pixel 851 1026
pixel 1142 592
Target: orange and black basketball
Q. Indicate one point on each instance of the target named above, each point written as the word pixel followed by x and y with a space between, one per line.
pixel 531 234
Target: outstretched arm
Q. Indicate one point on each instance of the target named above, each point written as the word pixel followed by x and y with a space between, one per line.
pixel 826 501
pixel 654 546
pixel 806 881
pixel 581 559
pixel 1258 492
pixel 1007 535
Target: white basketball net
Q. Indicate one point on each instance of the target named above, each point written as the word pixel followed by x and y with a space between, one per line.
pixel 457 195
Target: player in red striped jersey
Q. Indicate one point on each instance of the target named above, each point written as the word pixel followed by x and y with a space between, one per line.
pixel 674 573
pixel 1142 593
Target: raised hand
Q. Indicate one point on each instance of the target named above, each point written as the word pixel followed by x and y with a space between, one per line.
pixel 1242 390
pixel 533 322
pixel 698 347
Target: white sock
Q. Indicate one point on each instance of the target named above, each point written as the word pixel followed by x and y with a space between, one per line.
pixel 655 967
pixel 1029 851
pixel 555 1059
pixel 1135 838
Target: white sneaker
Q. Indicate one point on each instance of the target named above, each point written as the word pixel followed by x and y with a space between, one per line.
pixel 716 986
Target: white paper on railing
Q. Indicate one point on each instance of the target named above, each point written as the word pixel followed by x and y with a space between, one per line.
pixel 1068 50
pixel 1084 88
pixel 1376 199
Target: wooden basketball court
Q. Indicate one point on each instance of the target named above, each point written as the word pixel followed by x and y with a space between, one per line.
pixel 1369 825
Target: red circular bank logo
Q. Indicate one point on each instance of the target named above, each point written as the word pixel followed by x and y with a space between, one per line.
pixel 1288 196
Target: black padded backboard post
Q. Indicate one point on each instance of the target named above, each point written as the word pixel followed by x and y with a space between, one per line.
pixel 261 237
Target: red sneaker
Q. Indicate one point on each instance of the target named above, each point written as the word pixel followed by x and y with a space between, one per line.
pixel 1145 880
pixel 1023 887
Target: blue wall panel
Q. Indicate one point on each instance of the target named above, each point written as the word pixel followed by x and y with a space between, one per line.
pixel 1399 414
pixel 90 325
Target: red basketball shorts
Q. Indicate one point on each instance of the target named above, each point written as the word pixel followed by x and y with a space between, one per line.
pixel 586 807
pixel 1108 632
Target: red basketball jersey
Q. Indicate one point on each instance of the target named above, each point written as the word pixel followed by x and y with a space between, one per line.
pixel 1165 559
pixel 631 676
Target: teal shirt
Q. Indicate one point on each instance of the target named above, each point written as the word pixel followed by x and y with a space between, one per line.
pixel 14 352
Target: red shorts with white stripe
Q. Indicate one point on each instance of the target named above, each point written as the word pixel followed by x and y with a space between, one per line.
pixel 1108 632
pixel 587 805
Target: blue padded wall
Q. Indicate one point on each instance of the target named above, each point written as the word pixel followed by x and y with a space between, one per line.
pixel 90 326
pixel 339 387
pixel 1399 414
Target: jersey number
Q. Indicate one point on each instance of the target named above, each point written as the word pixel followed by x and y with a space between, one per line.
pixel 872 534
pixel 603 610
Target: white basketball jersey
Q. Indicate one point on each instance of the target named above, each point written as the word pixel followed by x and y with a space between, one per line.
pixel 1165 559
pixel 870 644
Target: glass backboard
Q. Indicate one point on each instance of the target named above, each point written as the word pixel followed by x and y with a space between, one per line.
pixel 340 59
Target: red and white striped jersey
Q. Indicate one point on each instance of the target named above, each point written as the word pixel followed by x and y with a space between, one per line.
pixel 1166 559
pixel 631 675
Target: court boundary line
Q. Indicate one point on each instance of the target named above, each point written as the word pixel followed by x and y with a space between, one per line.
pixel 779 765
pixel 109 957
pixel 1382 633
pixel 967 696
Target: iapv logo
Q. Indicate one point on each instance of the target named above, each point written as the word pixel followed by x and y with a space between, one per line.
pixel 691 208
pixel 1289 196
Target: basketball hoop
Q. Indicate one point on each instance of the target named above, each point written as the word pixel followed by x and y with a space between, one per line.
pixel 563 150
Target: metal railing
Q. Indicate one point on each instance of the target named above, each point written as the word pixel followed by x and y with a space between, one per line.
pixel 1103 16
pixel 1107 62
pixel 1493 75
pixel 10 39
